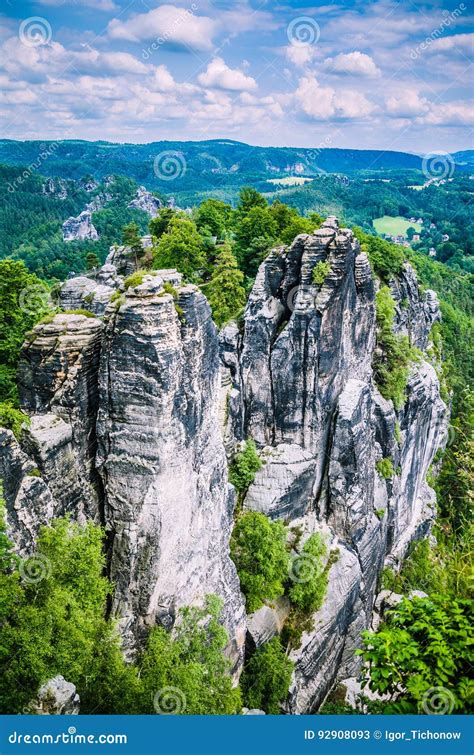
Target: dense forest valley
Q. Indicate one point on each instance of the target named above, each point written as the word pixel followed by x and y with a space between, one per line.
pixel 215 226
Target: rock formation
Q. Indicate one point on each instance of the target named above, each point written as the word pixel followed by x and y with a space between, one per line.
pixel 297 379
pixel 80 228
pixel 133 410
pixel 146 201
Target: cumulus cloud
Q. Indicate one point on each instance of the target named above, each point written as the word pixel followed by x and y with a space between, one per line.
pixel 324 103
pixel 178 26
pixel 353 63
pixel 218 75
pixel 407 104
pixel 300 55
pixel 450 114
pixel 105 5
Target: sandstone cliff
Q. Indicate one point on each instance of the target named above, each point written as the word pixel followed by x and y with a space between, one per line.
pixel 133 410
pixel 297 379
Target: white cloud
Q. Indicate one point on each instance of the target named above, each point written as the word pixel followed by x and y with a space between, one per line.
pixel 450 114
pixel 324 103
pixel 219 76
pixel 454 43
pixel 354 63
pixel 166 24
pixel 300 55
pixel 105 5
pixel 407 104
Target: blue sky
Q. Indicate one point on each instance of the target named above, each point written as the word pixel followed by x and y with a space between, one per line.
pixel 381 75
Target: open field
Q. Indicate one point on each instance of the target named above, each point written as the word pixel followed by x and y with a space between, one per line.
pixel 394 226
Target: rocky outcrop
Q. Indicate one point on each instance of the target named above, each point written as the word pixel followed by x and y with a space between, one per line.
pixel 123 429
pixel 297 378
pixel 167 502
pixel 56 698
pixel 133 409
pixel 77 229
pixel 146 201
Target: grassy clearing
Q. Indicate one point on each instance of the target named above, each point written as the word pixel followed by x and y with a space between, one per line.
pixel 394 226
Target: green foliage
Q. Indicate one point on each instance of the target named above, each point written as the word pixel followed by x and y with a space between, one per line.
pixel 397 433
pixel 160 225
pixel 258 550
pixel 392 368
pixel 225 291
pixel 386 259
pixel 255 232
pixel 180 247
pixel 131 237
pixel 51 623
pixel 244 467
pixel 92 261
pixel 385 468
pixel 192 662
pixel 13 419
pixel 425 643
pixel 213 216
pixel 320 271
pixel 23 301
pixel 266 677
pixel 308 594
pixel 380 513
pixel 83 312
pixel 135 279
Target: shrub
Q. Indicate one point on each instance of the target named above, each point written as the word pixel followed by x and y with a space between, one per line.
pixel 266 677
pixel 308 594
pixel 192 663
pixel 13 419
pixel 320 271
pixel 135 279
pixel 425 644
pixel 392 369
pixel 258 549
pixel 385 468
pixel 244 467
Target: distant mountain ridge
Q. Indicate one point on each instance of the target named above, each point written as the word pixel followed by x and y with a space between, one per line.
pixel 194 166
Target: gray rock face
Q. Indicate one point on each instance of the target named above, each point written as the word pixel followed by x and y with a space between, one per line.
pixel 298 380
pixel 57 698
pixel 167 502
pixel 80 228
pixel 146 201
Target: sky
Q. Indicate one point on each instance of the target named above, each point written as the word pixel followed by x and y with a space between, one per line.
pixel 366 75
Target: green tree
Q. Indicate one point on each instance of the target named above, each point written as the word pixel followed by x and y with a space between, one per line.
pixel 213 215
pixel 23 301
pixel 225 291
pixel 131 237
pixel 244 466
pixel 92 260
pixel 258 549
pixel 308 593
pixel 159 225
pixel 180 247
pixel 255 232
pixel 52 613
pixel 187 672
pixel 248 199
pixel 424 651
pixel 266 677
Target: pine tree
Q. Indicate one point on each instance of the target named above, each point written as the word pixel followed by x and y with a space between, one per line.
pixel 225 291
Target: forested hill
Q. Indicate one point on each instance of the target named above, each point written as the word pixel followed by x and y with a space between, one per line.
pixel 198 163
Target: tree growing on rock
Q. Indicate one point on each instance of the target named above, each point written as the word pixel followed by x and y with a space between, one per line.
pixel 225 291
